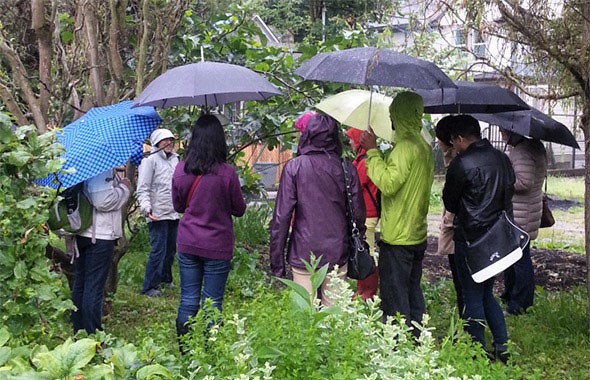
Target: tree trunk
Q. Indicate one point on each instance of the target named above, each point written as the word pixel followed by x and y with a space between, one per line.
pixel 43 31
pixel 92 35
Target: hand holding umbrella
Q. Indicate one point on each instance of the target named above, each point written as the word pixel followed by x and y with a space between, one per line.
pixel 368 140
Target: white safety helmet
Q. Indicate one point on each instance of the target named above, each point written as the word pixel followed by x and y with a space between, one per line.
pixel 159 135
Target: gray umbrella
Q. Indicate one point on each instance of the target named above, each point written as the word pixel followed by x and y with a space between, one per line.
pixel 531 123
pixel 374 66
pixel 470 97
pixel 206 84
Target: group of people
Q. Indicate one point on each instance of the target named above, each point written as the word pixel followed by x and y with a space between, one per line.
pixel 310 216
pixel 202 187
pixel 389 191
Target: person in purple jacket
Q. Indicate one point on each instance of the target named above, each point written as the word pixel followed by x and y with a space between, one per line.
pixel 207 190
pixel 312 189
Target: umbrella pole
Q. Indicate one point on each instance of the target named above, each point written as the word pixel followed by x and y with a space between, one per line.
pixel 369 117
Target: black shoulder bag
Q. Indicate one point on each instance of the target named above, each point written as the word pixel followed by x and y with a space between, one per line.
pixel 360 263
pixel 497 249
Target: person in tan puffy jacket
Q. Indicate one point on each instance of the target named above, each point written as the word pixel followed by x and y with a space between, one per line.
pixel 529 160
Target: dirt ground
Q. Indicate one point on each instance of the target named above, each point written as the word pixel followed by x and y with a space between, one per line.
pixel 554 270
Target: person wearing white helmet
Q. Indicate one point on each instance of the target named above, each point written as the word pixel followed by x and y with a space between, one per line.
pixel 154 194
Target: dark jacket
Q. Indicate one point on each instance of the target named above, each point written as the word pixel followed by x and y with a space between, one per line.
pixel 479 185
pixel 206 228
pixel 311 201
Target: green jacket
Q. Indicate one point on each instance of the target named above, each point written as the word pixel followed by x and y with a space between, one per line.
pixel 404 176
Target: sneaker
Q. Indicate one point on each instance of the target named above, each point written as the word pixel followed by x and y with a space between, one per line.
pixel 153 293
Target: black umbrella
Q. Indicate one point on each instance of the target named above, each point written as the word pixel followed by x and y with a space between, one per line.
pixel 471 97
pixel 374 66
pixel 531 123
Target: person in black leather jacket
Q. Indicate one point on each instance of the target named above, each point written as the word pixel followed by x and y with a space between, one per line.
pixel 479 186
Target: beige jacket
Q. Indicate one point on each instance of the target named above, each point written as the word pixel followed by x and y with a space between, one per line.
pixel 446 245
pixel 529 160
pixel 108 197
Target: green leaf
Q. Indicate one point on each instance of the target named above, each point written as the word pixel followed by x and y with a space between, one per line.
pixel 5 353
pixel 154 371
pixel 20 270
pixel 19 157
pixel 4 336
pixel 78 355
pixel 27 203
pixel 299 294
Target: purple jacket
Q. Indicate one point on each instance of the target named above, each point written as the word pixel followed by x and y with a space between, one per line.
pixel 206 228
pixel 311 201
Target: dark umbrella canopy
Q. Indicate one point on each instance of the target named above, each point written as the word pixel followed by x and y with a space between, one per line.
pixel 471 97
pixel 531 123
pixel 206 84
pixel 374 66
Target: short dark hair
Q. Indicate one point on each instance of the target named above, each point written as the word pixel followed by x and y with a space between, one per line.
pixel 207 146
pixel 442 129
pixel 465 126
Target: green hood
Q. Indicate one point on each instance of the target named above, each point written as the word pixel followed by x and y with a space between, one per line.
pixel 406 112
pixel 404 176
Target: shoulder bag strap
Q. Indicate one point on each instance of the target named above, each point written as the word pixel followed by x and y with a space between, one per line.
pixel 192 190
pixel 349 205
pixel 373 200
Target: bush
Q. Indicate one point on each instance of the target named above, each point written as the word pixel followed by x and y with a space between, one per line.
pixel 34 300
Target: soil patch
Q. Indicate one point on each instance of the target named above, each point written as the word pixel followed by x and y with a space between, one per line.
pixel 554 270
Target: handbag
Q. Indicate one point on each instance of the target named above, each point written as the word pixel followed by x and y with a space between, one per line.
pixel 360 263
pixel 547 219
pixel 496 250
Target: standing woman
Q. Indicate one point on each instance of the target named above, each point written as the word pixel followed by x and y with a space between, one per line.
pixel 207 190
pixel 310 211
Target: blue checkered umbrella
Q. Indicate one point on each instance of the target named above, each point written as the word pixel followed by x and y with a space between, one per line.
pixel 102 139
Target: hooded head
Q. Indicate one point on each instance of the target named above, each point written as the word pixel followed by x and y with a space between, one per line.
pixel 355 135
pixel 302 120
pixel 321 135
pixel 159 135
pixel 406 113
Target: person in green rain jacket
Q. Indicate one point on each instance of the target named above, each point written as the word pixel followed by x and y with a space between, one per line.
pixel 404 177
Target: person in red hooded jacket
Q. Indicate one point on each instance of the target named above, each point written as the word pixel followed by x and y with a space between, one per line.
pixel 366 288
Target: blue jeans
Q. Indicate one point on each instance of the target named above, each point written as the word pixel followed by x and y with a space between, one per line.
pixel 400 272
pixel 480 304
pixel 519 284
pixel 158 268
pixel 199 275
pixel 90 276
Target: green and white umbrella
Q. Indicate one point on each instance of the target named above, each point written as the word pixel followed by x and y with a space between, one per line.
pixel 352 108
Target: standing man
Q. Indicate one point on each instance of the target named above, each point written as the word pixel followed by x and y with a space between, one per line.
pixel 154 193
pixel 404 178
pixel 478 187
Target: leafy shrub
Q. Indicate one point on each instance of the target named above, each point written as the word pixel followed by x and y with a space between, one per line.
pixel 96 357
pixel 290 336
pixel 34 300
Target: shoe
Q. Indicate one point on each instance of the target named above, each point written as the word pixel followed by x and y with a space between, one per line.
pixel 167 285
pixel 153 293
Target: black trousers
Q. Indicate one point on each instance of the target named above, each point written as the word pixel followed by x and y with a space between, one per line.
pixel 400 273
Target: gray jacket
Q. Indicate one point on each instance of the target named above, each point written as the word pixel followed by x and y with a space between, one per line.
pixel 154 185
pixel 108 197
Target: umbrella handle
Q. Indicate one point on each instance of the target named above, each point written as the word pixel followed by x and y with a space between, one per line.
pixel 369 116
